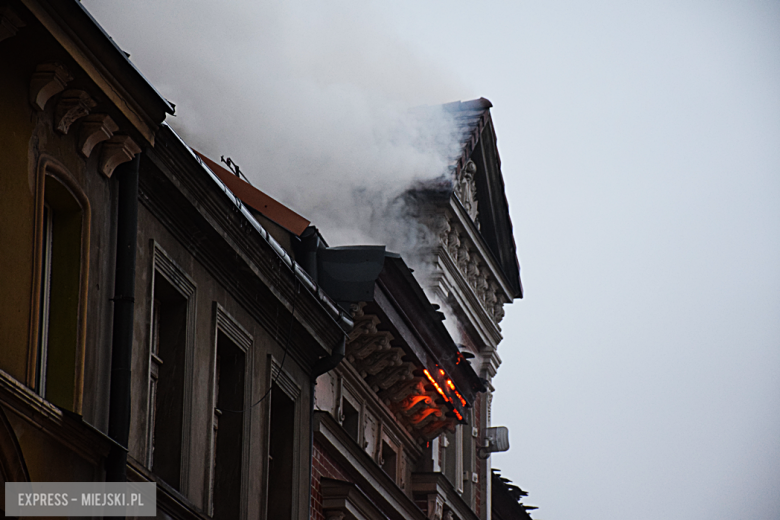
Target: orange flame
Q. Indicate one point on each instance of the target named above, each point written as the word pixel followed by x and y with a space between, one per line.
pixel 436 385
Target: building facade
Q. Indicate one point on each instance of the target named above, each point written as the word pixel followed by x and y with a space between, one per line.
pixel 165 321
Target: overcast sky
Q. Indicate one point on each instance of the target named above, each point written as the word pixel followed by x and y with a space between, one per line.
pixel 640 145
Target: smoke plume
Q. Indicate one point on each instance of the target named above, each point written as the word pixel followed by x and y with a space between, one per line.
pixel 311 99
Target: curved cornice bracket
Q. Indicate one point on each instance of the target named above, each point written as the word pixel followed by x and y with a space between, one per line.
pixel 48 80
pixel 10 23
pixel 117 150
pixel 94 130
pixel 72 105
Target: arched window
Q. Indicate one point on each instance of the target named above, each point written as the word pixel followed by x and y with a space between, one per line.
pixel 56 360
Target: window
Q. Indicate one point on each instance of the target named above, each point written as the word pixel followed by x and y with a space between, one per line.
pixel 453 457
pixel 228 428
pixel 170 370
pixel 230 418
pixel 284 449
pixel 167 386
pixel 389 460
pixel 280 456
pixel 350 418
pixel 56 365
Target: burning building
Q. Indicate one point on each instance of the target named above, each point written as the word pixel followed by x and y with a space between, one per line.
pixel 408 395
pixel 165 321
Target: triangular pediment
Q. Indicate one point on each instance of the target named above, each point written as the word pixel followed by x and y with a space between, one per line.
pixel 479 185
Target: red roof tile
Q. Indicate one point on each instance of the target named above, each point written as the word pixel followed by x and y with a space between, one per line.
pixel 257 200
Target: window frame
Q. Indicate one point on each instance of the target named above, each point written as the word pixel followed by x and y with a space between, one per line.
pixel 47 239
pixel 50 167
pixel 163 265
pixel 226 324
pixel 277 376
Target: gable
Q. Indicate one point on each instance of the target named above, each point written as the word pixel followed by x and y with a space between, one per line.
pixel 495 223
pixel 477 141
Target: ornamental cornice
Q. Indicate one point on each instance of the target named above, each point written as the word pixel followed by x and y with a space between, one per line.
pixel 468 228
pixel 411 397
pixel 464 270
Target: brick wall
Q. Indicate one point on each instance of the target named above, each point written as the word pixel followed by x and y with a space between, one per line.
pixel 322 466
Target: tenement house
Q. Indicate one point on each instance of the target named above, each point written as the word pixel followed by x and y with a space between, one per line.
pixel 163 320
pixel 408 395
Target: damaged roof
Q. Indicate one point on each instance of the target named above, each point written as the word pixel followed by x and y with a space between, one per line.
pixel 257 200
pixel 470 119
pixel 475 139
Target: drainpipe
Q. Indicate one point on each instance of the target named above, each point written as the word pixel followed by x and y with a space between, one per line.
pixel 124 309
pixel 327 364
pixel 306 251
pixel 322 366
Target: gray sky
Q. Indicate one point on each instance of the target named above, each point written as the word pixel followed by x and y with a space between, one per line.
pixel 640 145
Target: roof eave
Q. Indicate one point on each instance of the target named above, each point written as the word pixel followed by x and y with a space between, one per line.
pixel 104 62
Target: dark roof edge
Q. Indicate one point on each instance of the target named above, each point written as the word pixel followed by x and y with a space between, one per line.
pixel 124 60
pixel 69 22
pixel 452 362
pixel 342 318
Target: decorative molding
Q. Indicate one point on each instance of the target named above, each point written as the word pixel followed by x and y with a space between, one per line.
pixel 466 190
pixel 341 448
pixel 463 274
pixel 121 85
pixel 355 389
pixel 48 80
pixel 63 427
pixel 472 267
pixel 367 344
pixel 435 506
pixel 163 264
pixel 170 502
pixel 12 465
pixel 10 23
pixel 168 267
pixel 427 485
pixel 284 381
pixel 217 235
pixel 240 337
pixel 345 501
pixel 232 329
pixel 381 365
pixel 72 105
pixel 488 367
pixel 95 129
pixel 117 150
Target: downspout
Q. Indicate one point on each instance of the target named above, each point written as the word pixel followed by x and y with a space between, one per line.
pixel 306 254
pixel 328 363
pixel 124 310
pixel 322 366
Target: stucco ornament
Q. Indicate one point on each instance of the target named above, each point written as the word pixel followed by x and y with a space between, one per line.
pixel 466 189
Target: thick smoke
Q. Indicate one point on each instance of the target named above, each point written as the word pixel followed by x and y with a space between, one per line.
pixel 312 100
